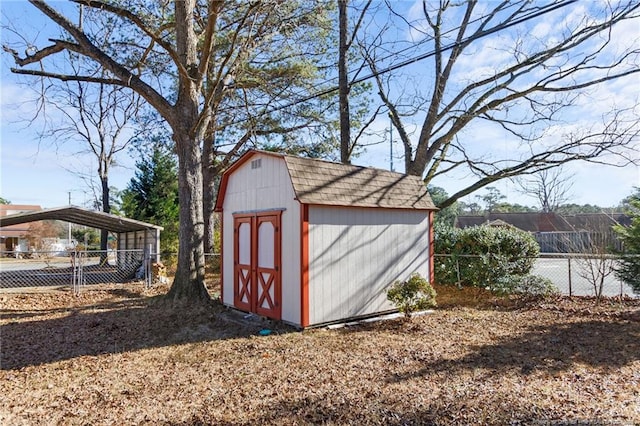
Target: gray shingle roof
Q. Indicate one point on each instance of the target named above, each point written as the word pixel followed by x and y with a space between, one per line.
pixel 326 183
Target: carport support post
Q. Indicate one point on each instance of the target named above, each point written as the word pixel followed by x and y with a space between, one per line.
pixel 147 266
pixel 157 241
pixel 569 268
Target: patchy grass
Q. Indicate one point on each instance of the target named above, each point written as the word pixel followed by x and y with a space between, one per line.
pixel 114 355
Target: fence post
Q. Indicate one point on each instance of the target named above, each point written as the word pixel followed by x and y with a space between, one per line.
pixel 147 266
pixel 81 261
pixel 569 265
pixel 76 277
pixel 72 259
pixel 621 289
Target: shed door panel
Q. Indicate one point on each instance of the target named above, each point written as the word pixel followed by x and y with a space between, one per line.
pixel 257 280
pixel 268 287
pixel 242 288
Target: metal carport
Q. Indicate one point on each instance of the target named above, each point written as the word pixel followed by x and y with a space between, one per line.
pixel 132 234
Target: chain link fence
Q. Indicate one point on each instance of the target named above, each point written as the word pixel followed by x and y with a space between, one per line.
pixel 72 268
pixel 571 274
pixel 78 268
pixel 583 275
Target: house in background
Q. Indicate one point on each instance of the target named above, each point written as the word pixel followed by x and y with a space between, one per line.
pixel 555 233
pixel 311 242
pixel 15 236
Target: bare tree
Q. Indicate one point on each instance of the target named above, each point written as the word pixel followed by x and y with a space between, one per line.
pixel 182 113
pixel 596 267
pixel 596 262
pixel 519 84
pixel 550 187
pixel 100 118
pixel 343 81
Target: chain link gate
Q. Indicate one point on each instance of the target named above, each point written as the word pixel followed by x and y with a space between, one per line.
pixel 73 268
pixel 77 277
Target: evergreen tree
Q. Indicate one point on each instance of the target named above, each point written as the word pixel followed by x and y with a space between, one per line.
pixel 152 196
pixel 445 217
pixel 629 269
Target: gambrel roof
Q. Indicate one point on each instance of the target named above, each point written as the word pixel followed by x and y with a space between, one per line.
pixel 319 182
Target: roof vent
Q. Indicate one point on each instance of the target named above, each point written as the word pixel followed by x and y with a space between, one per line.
pixel 256 164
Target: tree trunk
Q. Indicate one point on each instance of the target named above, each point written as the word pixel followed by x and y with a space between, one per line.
pixel 209 181
pixel 189 282
pixel 343 85
pixel 106 208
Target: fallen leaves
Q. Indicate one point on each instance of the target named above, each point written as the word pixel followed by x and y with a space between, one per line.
pixel 115 357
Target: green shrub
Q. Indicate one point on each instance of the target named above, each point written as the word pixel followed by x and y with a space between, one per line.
pixel 629 265
pixel 484 256
pixel 412 295
pixel 535 285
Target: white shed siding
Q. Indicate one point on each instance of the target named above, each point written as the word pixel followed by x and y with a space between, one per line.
pixel 355 253
pixel 265 188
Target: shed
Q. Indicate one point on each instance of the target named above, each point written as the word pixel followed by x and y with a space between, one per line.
pixel 311 242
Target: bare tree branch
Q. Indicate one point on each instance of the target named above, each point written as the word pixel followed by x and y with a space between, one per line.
pixel 524 95
pixel 85 47
pixel 128 15
pixel 550 187
pixel 67 77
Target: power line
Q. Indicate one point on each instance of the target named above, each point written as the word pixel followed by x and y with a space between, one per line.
pixel 384 58
pixel 540 12
pixel 411 47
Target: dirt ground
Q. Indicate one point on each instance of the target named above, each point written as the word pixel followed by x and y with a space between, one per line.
pixel 118 355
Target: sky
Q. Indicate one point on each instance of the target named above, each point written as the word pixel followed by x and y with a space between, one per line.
pixel 34 171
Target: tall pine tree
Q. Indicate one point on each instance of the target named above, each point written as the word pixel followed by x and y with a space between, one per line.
pixel 152 195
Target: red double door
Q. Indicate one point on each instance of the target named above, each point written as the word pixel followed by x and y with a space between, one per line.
pixel 257 284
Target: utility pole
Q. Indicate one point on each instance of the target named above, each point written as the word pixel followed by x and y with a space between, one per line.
pixel 69 223
pixel 391 142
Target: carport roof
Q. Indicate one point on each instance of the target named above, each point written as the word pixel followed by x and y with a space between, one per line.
pixel 80 216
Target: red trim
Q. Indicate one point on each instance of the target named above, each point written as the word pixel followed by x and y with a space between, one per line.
pixel 304 265
pixel 274 277
pixel 242 273
pixel 249 154
pixel 372 207
pixel 249 281
pixel 432 240
pixel 222 256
